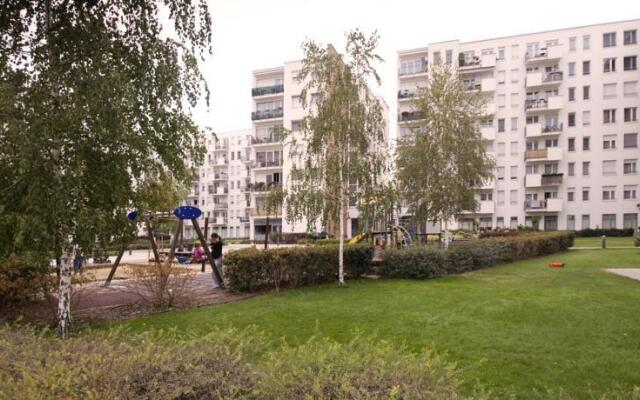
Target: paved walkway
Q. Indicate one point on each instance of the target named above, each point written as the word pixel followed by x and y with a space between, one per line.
pixel 633 273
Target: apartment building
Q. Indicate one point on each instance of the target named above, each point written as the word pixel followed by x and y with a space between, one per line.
pixel 562 123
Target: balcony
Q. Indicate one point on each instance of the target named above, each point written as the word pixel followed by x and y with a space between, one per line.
pixel 488 184
pixel 548 205
pixel 489 109
pixel 418 69
pixel 540 180
pixel 547 154
pixel 221 146
pixel 220 206
pixel 261 212
pixel 476 63
pixel 488 132
pixel 485 85
pixel 407 116
pixel 267 164
pixel 266 114
pixel 544 55
pixel 263 187
pixel 271 139
pixel 220 221
pixel 538 130
pixel 221 191
pixel 221 162
pixel 220 176
pixel 407 94
pixel 266 90
pixel 539 79
pixel 542 104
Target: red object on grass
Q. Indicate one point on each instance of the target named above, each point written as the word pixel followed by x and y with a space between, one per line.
pixel 556 265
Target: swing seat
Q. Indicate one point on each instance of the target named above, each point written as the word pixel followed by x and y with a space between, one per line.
pixel 184 260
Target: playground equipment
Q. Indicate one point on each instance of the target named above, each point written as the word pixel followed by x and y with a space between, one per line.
pixel 181 213
pixel 358 238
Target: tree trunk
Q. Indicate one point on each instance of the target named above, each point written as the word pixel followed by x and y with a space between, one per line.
pixel 64 291
pixel 446 234
pixel 266 233
pixel 341 249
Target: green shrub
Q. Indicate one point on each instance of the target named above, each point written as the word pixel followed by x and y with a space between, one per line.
pixel 253 269
pixel 24 278
pixel 606 232
pixel 327 242
pixel 424 262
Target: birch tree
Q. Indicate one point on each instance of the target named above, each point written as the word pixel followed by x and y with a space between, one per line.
pixel 439 166
pixel 336 156
pixel 95 99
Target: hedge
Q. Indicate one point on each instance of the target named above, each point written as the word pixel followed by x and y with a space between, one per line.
pixel 427 262
pixel 606 232
pixel 252 269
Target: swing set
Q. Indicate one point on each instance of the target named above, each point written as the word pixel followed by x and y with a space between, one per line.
pixel 181 213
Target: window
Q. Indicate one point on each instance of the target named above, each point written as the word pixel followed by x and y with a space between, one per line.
pixel 630 37
pixel 514 148
pixel 609 167
pixel 585 168
pixel 586 92
pixel 572 69
pixel 572 94
pixel 571 169
pixel 449 56
pixel 515 52
pixel 500 222
pixel 436 57
pixel 501 101
pixel 297 125
pixel 501 197
pixel 608 221
pixel 630 140
pixel 501 77
pixel 514 124
pixel 571 119
pixel 514 100
pixel 586 118
pixel 586 143
pixel 501 149
pixel 630 63
pixel 630 114
pixel 513 223
pixel 609 90
pixel 513 197
pixel 513 173
pixel 586 67
pixel 585 193
pixel 416 66
pixel 514 75
pixel 586 42
pixel 630 221
pixel 630 192
pixel 571 194
pixel 609 116
pixel 295 102
pixel 500 53
pixel 571 222
pixel 609 65
pixel 586 221
pixel 609 39
pixel 630 89
pixel 571 144
pixel 500 173
pixel 486 196
pixel 609 142
pixel 630 167
pixel 500 124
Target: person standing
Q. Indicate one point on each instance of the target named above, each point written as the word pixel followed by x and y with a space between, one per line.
pixel 216 253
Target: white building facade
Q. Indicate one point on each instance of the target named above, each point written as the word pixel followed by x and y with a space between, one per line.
pixel 563 124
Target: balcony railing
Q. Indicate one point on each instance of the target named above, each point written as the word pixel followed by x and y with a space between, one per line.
pixel 262 212
pixel 473 86
pixel 535 204
pixel 266 164
pixel 552 128
pixel 408 116
pixel 261 91
pixel 539 153
pixel 552 76
pixel 266 114
pixel 221 176
pixel 422 68
pixel 469 62
pixel 262 186
pixel 551 179
pixel 532 104
pixel 220 205
pixel 266 139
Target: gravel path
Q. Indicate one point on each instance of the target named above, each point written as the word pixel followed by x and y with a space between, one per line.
pixel 633 273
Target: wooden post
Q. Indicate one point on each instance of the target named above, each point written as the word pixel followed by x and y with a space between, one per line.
pixel 217 275
pixel 115 266
pixel 174 242
pixel 206 235
pixel 152 239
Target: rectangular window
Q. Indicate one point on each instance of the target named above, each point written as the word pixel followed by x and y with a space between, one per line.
pixel 500 222
pixel 515 52
pixel 296 102
pixel 630 167
pixel 572 69
pixel 586 42
pixel 608 221
pixel 609 90
pixel 630 221
pixel 571 169
pixel 515 75
pixel 586 67
pixel 500 173
pixel 572 94
pixel 513 223
pixel 572 43
pixel 501 197
pixel 630 63
pixel 586 221
pixel 514 148
pixel 513 197
pixel 630 37
pixel 585 193
pixel 609 39
pixel 513 172
pixel 514 124
pixel 501 101
pixel 630 140
pixel 500 53
pixel 586 118
pixel 571 222
pixel 585 168
pixel 630 89
pixel 571 119
pixel 501 149
pixel 571 144
pixel 501 124
pixel 449 56
pixel 609 116
pixel 586 92
pixel 586 143
pixel 514 100
pixel 609 142
pixel 630 192
pixel 571 194
pixel 500 77
pixel 630 114
pixel 609 65
pixel 609 167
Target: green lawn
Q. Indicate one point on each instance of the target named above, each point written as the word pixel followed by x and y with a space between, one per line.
pixel 597 242
pixel 517 328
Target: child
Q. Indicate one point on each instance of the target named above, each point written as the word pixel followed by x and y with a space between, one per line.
pixel 197 253
pixel 216 251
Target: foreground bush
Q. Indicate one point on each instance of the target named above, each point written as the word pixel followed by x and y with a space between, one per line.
pixel 426 262
pixel 252 269
pixel 225 364
pixel 24 278
pixel 607 232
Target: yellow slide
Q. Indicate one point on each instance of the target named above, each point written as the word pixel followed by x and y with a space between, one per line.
pixel 358 238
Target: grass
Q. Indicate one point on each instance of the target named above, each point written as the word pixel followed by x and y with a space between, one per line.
pixel 611 242
pixel 520 328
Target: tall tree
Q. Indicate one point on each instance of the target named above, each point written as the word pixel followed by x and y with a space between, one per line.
pixel 95 100
pixel 272 204
pixel 337 154
pixel 445 159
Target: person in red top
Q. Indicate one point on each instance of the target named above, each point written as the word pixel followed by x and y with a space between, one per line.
pixel 197 255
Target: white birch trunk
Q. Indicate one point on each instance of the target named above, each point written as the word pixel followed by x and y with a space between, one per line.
pixel 341 248
pixel 64 291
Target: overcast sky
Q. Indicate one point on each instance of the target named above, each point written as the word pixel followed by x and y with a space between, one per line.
pixel 255 34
